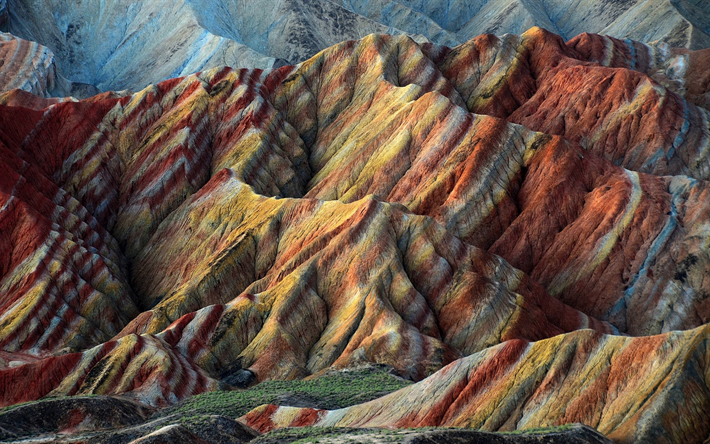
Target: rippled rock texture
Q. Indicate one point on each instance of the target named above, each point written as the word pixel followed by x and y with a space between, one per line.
pixel 122 44
pixel 520 212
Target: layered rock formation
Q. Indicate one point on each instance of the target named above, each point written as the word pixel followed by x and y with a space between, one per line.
pixel 119 44
pixel 411 205
pixel 146 42
pixel 30 67
pixel 646 389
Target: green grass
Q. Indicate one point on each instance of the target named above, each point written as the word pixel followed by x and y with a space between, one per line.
pixel 541 430
pixel 326 435
pixel 330 391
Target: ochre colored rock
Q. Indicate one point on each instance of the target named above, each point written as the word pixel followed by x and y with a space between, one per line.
pixel 353 209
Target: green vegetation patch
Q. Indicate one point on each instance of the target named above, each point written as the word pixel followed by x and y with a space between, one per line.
pixel 541 430
pixel 331 391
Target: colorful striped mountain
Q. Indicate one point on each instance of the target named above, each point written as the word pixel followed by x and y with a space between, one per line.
pixel 519 224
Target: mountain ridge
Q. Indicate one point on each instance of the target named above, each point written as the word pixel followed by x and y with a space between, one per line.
pixel 359 207
pixel 144 43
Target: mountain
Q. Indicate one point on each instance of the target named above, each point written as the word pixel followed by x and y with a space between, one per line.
pixel 126 45
pixel 643 389
pixel 518 222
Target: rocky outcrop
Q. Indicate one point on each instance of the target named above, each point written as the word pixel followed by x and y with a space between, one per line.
pixel 30 67
pixel 140 368
pixel 385 201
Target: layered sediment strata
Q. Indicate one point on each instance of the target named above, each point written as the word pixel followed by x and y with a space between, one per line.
pixel 645 389
pixel 385 201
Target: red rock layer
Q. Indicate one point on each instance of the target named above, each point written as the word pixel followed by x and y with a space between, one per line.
pixel 27 65
pixel 63 277
pixel 682 71
pixel 622 115
pixel 340 211
pixel 407 301
pixel 587 230
pixel 141 368
pixel 648 389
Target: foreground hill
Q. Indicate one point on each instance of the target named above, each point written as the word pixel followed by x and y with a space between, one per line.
pixel 121 44
pixel 383 202
pixel 650 389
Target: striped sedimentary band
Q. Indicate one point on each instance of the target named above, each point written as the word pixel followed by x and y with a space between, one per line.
pixel 585 266
pixel 139 367
pixel 26 65
pixel 519 385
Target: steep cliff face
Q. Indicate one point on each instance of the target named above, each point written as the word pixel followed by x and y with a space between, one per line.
pixel 385 201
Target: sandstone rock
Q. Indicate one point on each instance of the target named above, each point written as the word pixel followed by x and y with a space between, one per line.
pixel 569 378
pixel 137 367
pixel 354 209
pixel 29 67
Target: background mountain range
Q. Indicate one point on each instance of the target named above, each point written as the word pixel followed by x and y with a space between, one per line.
pixel 122 44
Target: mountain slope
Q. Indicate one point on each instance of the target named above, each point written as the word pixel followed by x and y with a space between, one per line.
pixel 650 389
pixel 385 201
pixel 117 44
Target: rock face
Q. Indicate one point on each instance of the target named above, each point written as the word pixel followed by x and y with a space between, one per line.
pixel 121 44
pixel 30 67
pixel 144 42
pixel 387 202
